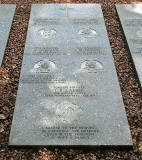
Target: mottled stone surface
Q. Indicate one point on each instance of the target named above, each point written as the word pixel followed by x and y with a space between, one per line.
pixel 131 21
pixel 68 92
pixel 6 17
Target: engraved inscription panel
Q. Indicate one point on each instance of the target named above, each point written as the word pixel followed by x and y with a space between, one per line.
pixel 6 17
pixel 68 84
pixel 131 22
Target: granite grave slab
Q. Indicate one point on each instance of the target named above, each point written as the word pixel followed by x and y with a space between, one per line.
pixel 68 92
pixel 6 17
pixel 131 20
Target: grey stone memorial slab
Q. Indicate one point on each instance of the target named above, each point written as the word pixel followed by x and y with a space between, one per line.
pixel 68 93
pixel 6 17
pixel 131 21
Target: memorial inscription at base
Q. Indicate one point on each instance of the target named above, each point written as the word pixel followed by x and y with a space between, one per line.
pixel 6 17
pixel 131 20
pixel 68 92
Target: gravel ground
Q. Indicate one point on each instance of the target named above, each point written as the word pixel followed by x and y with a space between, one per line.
pixel 9 78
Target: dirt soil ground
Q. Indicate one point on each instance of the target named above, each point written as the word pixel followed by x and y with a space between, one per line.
pixel 9 78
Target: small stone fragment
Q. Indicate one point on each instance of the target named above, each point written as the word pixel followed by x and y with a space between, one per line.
pixel 2 116
pixel 140 146
pixel 1 128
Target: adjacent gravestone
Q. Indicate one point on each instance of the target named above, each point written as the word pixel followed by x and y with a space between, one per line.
pixel 131 21
pixel 6 17
pixel 68 92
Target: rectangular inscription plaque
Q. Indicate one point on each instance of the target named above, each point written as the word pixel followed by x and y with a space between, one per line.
pixel 6 17
pixel 68 92
pixel 131 21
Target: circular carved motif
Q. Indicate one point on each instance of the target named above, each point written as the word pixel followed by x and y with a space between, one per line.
pixel 44 66
pixel 92 66
pixel 87 32
pixel 45 33
pixel 68 112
